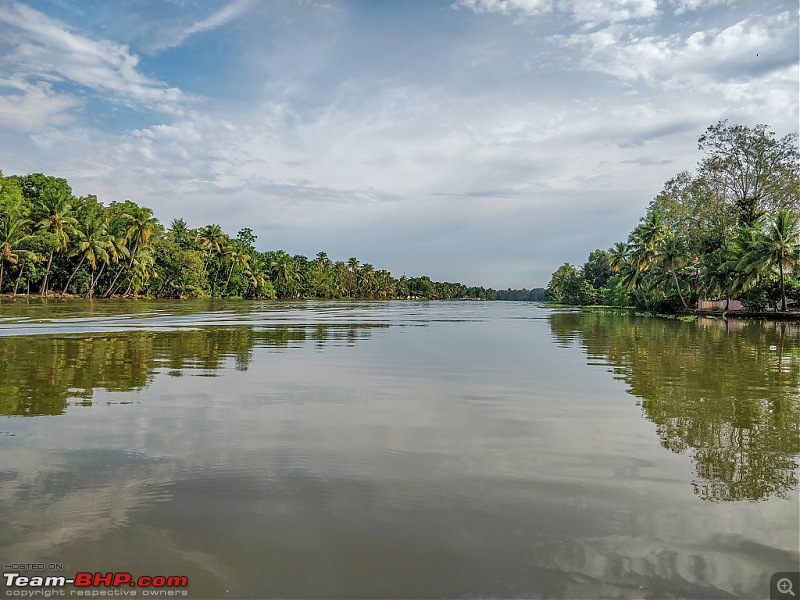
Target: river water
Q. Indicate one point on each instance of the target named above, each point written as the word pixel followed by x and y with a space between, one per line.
pixel 399 449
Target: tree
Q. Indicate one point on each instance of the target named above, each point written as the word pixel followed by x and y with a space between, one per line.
pixel 13 233
pixel 142 225
pixel 758 173
pixel 238 257
pixel 284 274
pixel 55 205
pixel 565 284
pixel 597 269
pixel 777 248
pixel 93 244
pixel 671 257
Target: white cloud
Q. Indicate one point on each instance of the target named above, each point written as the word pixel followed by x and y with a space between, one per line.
pixel 739 53
pixel 583 11
pixel 227 13
pixel 32 107
pixel 682 6
pixel 592 12
pixel 526 7
pixel 48 49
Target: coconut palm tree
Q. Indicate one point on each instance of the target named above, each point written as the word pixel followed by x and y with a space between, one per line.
pixel 57 224
pixel 142 225
pixel 93 244
pixel 284 274
pixel 212 239
pixel 13 233
pixel 238 257
pixel 777 248
pixel 618 256
pixel 670 258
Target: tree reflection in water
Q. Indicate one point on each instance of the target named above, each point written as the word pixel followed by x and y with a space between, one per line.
pixel 43 375
pixel 728 392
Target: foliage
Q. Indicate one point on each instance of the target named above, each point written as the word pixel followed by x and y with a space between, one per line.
pixel 730 229
pixel 51 240
pixel 534 295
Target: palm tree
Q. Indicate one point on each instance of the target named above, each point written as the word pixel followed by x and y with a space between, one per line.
pixel 365 277
pixel 143 270
pixel 778 248
pixel 56 206
pixel 322 260
pixel 284 274
pixel 179 231
pixel 719 272
pixel 93 244
pixel 13 233
pixel 24 257
pixel 671 256
pixel 618 256
pixel 239 258
pixel 142 226
pixel 645 241
pixel 212 239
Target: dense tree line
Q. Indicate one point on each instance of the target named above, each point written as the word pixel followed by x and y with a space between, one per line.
pixel 534 295
pixel 729 230
pixel 53 242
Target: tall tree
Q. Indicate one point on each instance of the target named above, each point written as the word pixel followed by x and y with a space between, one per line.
pixel 55 205
pixel 759 173
pixel 13 233
pixel 93 244
pixel 142 225
pixel 777 248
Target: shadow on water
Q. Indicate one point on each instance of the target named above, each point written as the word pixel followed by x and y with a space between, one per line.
pixel 727 392
pixel 43 375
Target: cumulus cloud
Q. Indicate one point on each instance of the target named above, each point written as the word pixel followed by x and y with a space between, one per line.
pixel 49 50
pixel 740 52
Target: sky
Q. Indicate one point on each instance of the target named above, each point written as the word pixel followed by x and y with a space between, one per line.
pixel 479 141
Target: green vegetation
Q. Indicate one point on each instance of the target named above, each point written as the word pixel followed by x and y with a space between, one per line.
pixel 534 295
pixel 730 230
pixel 52 242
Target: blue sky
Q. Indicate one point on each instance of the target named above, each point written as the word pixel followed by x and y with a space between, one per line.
pixel 481 141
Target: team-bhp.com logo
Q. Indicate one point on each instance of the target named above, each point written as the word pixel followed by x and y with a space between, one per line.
pixel 115 583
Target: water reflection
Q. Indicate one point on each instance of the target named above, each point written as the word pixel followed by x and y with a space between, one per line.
pixel 43 375
pixel 729 393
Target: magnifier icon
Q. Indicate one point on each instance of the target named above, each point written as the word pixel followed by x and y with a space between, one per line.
pixel 784 586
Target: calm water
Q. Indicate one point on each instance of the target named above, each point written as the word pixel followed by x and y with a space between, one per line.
pixel 400 449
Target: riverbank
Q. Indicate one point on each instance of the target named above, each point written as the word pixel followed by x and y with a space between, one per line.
pixel 687 315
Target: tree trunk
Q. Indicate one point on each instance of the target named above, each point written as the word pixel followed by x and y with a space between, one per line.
pixel 130 266
pixel 114 281
pixel 95 280
pixel 66 285
pixel 16 284
pixel 47 273
pixel 1 276
pixel 230 272
pixel 678 287
pixel 783 288
pixel 130 285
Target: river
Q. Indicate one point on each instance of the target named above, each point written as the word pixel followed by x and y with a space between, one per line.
pixel 399 449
